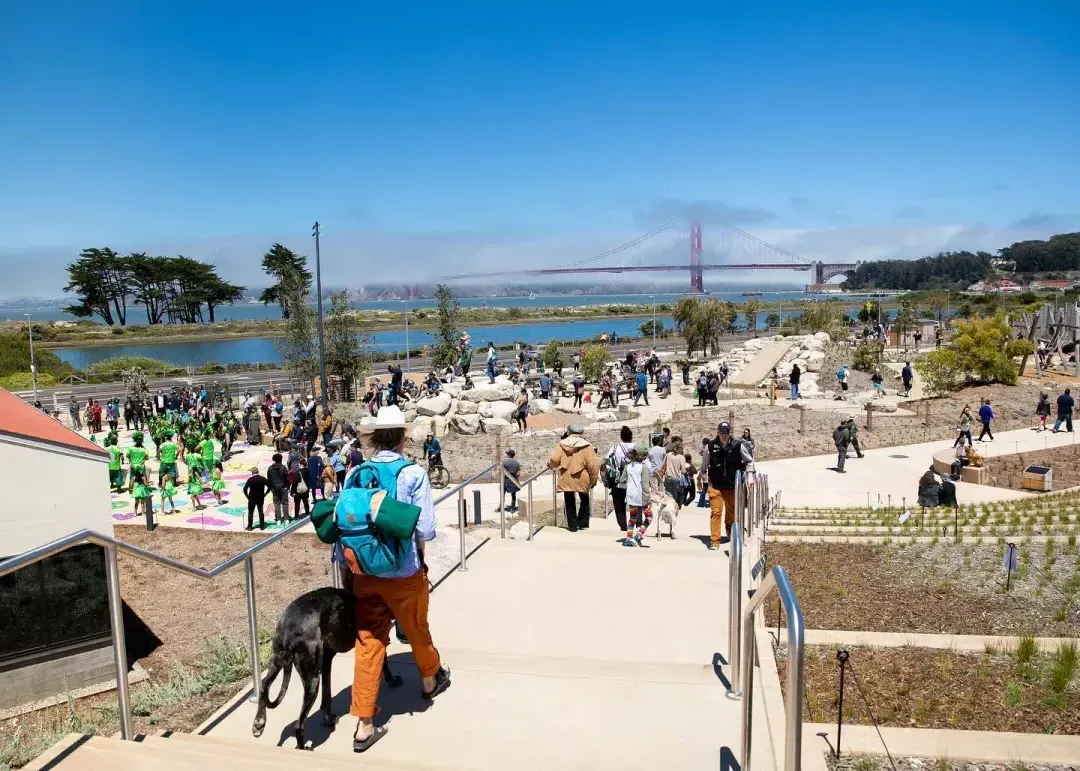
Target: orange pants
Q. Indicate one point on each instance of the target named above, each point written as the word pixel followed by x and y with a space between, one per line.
pixel 721 513
pixel 378 602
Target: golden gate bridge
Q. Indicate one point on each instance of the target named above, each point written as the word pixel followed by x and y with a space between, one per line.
pixel 666 247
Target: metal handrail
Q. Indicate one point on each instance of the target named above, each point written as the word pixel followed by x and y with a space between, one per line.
pixel 460 490
pixel 116 613
pixel 735 572
pixel 776 580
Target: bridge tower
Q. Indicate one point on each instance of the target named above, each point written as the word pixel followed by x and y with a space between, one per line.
pixel 697 283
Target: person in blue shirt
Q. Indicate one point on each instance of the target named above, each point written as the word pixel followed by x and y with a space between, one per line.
pixel 642 381
pixel 433 450
pixel 986 415
pixel 1065 404
pixel 315 468
pixel 545 386
pixel 907 376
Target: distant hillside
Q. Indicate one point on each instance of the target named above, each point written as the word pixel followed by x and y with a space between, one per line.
pixel 958 270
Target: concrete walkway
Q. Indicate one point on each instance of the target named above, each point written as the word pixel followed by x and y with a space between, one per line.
pixel 571 651
pixel 893 471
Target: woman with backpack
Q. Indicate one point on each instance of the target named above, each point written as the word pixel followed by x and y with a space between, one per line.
pixel 299 489
pixel 400 594
pixel 521 410
pixel 613 473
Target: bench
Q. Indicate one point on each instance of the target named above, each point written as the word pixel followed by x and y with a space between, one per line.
pixel 943 460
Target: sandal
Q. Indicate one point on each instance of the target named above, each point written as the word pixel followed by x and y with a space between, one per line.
pixel 363 745
pixel 442 682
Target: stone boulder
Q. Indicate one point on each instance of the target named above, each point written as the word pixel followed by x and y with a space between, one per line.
pixel 434 405
pixel 607 417
pixel 483 392
pixel 540 406
pixel 495 425
pixel 501 410
pixel 814 361
pixel 440 425
pixel 410 415
pixel 466 408
pixel 519 531
pixel 882 406
pixel 466 424
pixel 568 408
pixel 453 409
pixel 822 337
pixel 454 389
pixel 421 427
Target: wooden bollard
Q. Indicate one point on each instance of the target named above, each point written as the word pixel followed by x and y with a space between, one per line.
pixel 731 418
pixel 802 419
pixel 928 413
pixel 869 417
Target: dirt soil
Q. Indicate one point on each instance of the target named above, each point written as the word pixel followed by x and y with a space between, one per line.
pixel 939 588
pixel 1008 470
pixel 885 763
pixel 915 688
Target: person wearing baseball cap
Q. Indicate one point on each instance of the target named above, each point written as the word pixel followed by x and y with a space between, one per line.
pixel 727 458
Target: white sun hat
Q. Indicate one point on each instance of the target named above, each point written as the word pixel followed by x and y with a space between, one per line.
pixel 388 417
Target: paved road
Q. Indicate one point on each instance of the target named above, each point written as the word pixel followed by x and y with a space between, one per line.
pixel 258 381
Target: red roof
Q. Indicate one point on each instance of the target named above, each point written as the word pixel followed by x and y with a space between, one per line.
pixel 1053 284
pixel 19 419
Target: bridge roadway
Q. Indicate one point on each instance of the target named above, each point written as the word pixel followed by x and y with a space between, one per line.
pixel 567 652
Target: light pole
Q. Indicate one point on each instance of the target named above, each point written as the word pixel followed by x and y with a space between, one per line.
pixel 408 361
pixel 653 298
pixel 33 368
pixel 317 231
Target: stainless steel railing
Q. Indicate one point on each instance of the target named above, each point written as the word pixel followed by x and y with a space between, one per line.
pixel 776 580
pixel 735 572
pixel 459 489
pixel 116 614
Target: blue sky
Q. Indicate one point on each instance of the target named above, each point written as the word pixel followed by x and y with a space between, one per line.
pixel 475 133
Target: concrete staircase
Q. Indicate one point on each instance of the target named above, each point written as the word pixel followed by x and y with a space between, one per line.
pixel 570 652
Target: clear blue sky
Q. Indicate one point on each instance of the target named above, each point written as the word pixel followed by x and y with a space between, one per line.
pixel 462 130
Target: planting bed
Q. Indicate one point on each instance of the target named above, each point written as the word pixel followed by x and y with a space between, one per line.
pixel 1021 690
pixel 884 763
pixel 941 588
pixel 1007 470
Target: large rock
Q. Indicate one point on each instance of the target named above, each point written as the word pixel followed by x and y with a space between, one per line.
pixel 814 361
pixel 410 415
pixel 454 389
pixel 607 417
pixel 882 406
pixel 501 410
pixel 568 408
pixel 519 531
pixel 466 408
pixel 822 336
pixel 421 427
pixel 466 424
pixel 453 408
pixel 540 406
pixel 495 425
pixel 434 405
pixel 483 392
pixel 440 425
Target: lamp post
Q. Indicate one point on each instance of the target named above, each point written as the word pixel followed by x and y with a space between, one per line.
pixel 653 298
pixel 408 360
pixel 33 368
pixel 317 231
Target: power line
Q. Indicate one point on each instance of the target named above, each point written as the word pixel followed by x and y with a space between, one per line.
pixel 774 247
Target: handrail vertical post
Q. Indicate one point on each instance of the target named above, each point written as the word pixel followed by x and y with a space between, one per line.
pixel 740 497
pixel 530 513
pixel 461 526
pixel 502 501
pixel 119 641
pixel 555 498
pixel 735 552
pixel 253 625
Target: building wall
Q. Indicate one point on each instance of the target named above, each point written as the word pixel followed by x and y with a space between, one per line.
pixel 50 493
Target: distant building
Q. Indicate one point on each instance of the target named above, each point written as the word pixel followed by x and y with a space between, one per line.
pixel 55 633
pixel 1053 285
pixel 1002 285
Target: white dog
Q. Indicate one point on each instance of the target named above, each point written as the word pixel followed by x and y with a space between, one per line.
pixel 667 511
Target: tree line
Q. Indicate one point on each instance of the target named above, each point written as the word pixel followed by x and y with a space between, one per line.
pixel 958 270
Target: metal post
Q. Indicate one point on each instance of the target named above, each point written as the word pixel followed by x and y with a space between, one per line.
pixel 476 507
pixel 33 367
pixel 253 626
pixel 502 504
pixel 530 512
pixel 842 656
pixel 322 347
pixel 735 552
pixel 461 527
pixel 555 497
pixel 802 419
pixel 119 642
pixel 408 354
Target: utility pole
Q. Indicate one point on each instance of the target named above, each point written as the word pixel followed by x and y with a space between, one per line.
pixel 653 320
pixel 408 360
pixel 33 367
pixel 317 230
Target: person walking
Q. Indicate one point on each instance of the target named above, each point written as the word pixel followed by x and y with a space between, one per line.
pixel 606 394
pixel 727 458
pixel 74 413
pixel 617 458
pixel 521 410
pixel 639 477
pixel 986 417
pixel 907 375
pixel 578 468
pixel 315 466
pixel 964 426
pixel 299 489
pixel 702 388
pixel 686 372
pixel 492 357
pixel 579 389
pixel 793 381
pixel 1065 405
pixel 277 479
pixel 255 491
pixel 642 382
pixel 841 439
pixel 512 467
pixel 400 595
pixel 1042 411
pixel 842 381
pixel 853 434
pixel 545 386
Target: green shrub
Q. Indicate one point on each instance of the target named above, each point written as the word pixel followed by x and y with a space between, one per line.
pixel 867 356
pixel 595 361
pixel 15 357
pixel 117 364
pixel 551 350
pixel 23 381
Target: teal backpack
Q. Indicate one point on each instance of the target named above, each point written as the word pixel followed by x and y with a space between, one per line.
pixel 375 551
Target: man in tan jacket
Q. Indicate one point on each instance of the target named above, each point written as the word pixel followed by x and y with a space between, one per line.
pixel 578 468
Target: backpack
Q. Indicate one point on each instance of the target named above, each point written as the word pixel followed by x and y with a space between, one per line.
pixel 718 461
pixel 610 471
pixel 369 550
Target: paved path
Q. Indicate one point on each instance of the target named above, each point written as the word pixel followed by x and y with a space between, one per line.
pixel 893 471
pixel 758 368
pixel 571 651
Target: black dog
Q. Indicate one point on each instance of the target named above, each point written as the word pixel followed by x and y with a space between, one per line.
pixel 316 626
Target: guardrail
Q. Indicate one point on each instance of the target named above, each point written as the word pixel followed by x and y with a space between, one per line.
pixel 754 506
pixel 116 615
